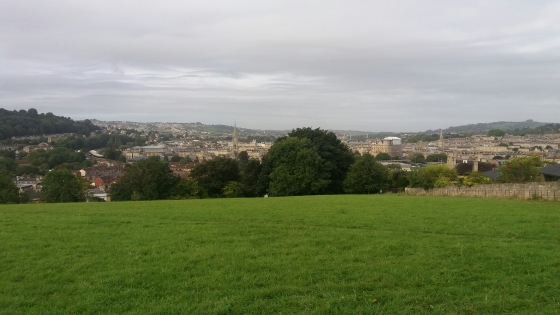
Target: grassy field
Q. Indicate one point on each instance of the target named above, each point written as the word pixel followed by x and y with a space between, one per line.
pixel 384 254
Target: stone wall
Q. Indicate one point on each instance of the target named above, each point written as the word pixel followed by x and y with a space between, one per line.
pixel 545 190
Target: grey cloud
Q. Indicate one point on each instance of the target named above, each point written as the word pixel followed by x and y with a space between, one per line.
pixel 383 65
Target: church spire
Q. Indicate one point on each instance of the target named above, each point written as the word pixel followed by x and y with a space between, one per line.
pixel 235 140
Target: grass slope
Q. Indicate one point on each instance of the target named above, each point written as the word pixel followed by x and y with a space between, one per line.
pixel 315 255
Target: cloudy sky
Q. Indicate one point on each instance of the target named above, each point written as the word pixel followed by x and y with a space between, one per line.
pixel 384 65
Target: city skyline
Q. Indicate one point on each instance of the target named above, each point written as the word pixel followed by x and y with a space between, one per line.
pixel 354 65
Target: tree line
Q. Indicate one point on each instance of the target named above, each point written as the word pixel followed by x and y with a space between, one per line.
pixel 305 162
pixel 30 123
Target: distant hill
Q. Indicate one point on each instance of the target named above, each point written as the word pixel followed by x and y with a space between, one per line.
pixel 484 127
pixel 30 123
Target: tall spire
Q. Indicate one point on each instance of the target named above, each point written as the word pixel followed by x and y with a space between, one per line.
pixel 440 142
pixel 235 140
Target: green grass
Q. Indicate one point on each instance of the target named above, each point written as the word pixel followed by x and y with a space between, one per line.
pixel 314 255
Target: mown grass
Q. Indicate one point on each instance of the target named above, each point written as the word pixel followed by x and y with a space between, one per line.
pixel 314 255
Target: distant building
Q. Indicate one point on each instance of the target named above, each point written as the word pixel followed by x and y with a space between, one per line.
pixel 391 145
pixel 98 193
pixel 551 172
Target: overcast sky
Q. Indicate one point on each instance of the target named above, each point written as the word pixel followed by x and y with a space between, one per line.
pixel 383 65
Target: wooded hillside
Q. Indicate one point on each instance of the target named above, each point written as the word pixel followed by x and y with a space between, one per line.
pixel 31 123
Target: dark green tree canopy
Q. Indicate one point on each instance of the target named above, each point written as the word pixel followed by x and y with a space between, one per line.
pixel 8 164
pixel 99 141
pixel 243 157
pixel 8 154
pixel 367 176
pixel 383 156
pixel 188 189
pixel 148 179
pixel 30 123
pixel 63 186
pixel 336 156
pixel 213 175
pixel 250 178
pixel 496 133
pixel 8 190
pixel 50 159
pixel 296 168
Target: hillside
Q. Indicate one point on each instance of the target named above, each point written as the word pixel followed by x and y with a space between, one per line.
pixel 31 123
pixel 377 254
pixel 484 127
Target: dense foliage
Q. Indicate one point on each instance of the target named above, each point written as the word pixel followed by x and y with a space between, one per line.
pixel 485 127
pixel 188 189
pixel 297 168
pixel 8 190
pixel 383 156
pixel 250 178
pixel 45 160
pixel 496 133
pixel 336 156
pixel 367 176
pixel 433 176
pixel 476 178
pixel 521 169
pixel 423 138
pixel 148 179
pixel 214 175
pixel 539 130
pixel 30 123
pixel 63 186
pixel 99 141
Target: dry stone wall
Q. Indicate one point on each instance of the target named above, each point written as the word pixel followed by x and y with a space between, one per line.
pixel 545 190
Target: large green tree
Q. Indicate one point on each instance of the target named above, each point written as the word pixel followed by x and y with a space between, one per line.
pixel 148 179
pixel 8 190
pixel 8 164
pixel 383 156
pixel 297 168
pixel 243 158
pixel 521 169
pixel 367 176
pixel 213 175
pixel 63 186
pixel 250 178
pixel 336 157
pixel 399 179
pixel 188 189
